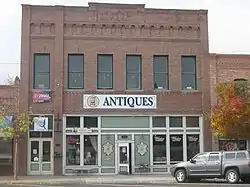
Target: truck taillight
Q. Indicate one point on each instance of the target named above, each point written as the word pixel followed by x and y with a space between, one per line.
pixel 248 164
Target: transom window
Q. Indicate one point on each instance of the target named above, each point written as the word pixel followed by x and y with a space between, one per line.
pixel 133 72
pixel 188 69
pixel 75 71
pixel 41 71
pixel 105 71
pixel 160 64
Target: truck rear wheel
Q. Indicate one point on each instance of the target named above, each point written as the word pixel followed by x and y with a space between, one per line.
pixel 180 176
pixel 232 176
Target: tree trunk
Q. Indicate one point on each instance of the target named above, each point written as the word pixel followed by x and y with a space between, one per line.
pixel 15 159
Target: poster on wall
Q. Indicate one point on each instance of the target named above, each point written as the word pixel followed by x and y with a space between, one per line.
pixel 41 96
pixel 232 145
pixel 41 124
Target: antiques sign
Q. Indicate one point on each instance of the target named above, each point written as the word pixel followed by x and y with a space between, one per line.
pixel 120 101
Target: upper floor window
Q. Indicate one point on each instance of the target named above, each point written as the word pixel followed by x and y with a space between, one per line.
pixel 41 71
pixel 188 70
pixel 133 72
pixel 161 72
pixel 75 71
pixel 105 71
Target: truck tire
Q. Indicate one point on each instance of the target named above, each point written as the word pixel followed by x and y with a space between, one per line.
pixel 232 176
pixel 180 176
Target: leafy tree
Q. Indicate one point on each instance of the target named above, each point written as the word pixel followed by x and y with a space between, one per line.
pixel 230 117
pixel 18 127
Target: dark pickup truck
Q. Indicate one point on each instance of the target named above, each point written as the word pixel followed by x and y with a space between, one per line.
pixel 230 165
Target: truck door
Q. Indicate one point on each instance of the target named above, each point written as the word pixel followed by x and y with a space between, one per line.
pixel 213 166
pixel 198 165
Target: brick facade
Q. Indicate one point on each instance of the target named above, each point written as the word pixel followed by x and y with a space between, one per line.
pixel 225 68
pixel 8 99
pixel 118 30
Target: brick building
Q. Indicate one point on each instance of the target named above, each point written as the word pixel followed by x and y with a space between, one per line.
pixel 226 68
pixel 9 100
pixel 114 88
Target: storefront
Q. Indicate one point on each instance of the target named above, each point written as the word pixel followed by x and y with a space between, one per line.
pixel 129 144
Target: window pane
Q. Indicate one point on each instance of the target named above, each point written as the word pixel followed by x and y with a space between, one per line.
pixel 42 63
pixel 201 158
pixel 105 80
pixel 46 151
pixel 90 149
pixel 160 81
pixel 42 80
pixel 160 64
pixel 76 63
pixel 159 121
pixel 175 121
pixel 188 64
pixel 123 154
pixel 133 64
pixel 5 148
pixel 133 81
pixel 73 150
pixel 231 145
pixel 230 155
pixel 34 157
pixel 193 145
pixel 105 63
pixel 76 80
pixel 72 122
pixel 176 148
pixel 241 155
pixel 90 122
pixel 214 157
pixel 159 149
pixel 188 81
pixel 192 121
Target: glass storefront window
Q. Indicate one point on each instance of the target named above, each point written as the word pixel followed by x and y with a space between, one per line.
pixel 73 150
pixel 159 149
pixel 90 149
pixel 175 122
pixel 193 145
pixel 90 122
pixel 159 121
pixel 176 148
pixel 192 121
pixel 232 145
pixel 72 122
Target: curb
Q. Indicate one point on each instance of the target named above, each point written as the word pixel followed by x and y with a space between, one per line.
pixel 84 181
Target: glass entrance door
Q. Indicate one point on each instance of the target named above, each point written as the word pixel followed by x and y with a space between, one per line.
pixel 123 158
pixel 40 159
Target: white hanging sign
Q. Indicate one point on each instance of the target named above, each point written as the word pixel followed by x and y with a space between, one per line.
pixel 41 124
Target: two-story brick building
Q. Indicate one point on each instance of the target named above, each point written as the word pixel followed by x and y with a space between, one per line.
pixel 228 68
pixel 119 87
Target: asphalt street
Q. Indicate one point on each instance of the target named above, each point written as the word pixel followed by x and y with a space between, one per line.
pixel 132 185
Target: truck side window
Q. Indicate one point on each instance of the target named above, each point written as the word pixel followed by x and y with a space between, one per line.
pixel 241 155
pixel 214 157
pixel 201 158
pixel 230 156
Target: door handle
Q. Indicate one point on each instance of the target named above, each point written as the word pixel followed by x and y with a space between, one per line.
pixel 217 163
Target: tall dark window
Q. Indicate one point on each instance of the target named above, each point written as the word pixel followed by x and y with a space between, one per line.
pixel 41 71
pixel 188 70
pixel 105 71
pixel 75 71
pixel 161 72
pixel 133 72
pixel 159 149
pixel 176 148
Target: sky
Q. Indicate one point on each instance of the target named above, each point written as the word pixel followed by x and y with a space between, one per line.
pixel 228 31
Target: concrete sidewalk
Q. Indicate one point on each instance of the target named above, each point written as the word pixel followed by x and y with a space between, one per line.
pixel 114 179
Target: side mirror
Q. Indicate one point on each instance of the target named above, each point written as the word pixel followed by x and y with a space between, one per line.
pixel 192 161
